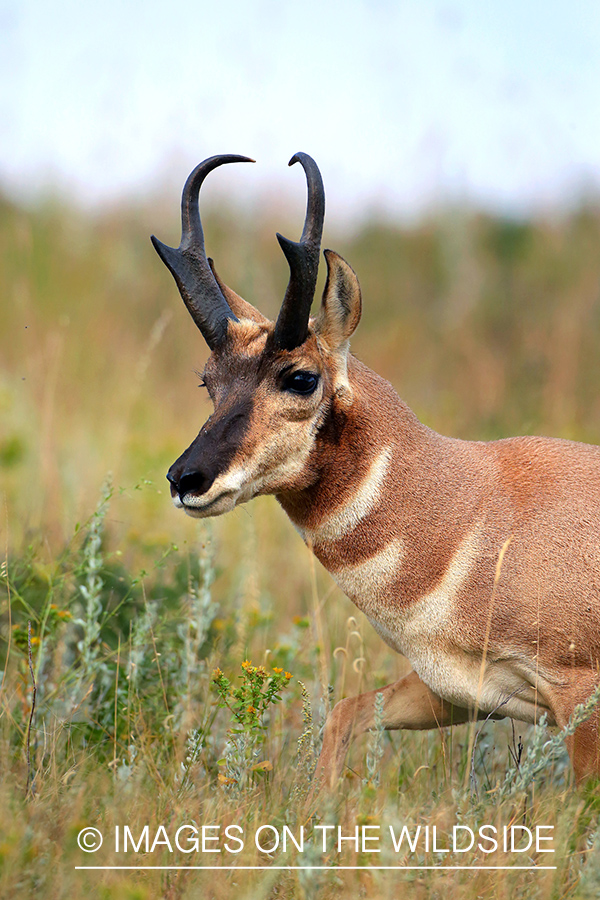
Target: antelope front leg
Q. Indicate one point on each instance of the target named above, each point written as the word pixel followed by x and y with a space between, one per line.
pixel 408 703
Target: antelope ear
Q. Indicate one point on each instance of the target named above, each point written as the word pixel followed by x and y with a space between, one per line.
pixel 341 305
pixel 240 307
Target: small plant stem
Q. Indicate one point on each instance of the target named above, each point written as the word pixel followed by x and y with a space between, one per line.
pixel 4 569
pixel 29 787
pixel 116 707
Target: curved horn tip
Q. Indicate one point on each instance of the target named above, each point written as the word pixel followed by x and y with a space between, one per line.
pixel 230 157
pixel 234 157
pixel 199 172
pixel 297 157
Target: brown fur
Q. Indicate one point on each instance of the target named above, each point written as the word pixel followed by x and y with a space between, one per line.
pixel 420 556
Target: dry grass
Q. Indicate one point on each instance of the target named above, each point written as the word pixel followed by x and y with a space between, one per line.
pixel 486 327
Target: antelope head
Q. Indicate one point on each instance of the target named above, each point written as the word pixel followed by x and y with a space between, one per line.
pixel 275 386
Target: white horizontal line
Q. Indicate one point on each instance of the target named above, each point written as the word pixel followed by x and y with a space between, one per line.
pixel 330 868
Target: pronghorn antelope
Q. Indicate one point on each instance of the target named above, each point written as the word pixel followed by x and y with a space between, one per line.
pixel 480 562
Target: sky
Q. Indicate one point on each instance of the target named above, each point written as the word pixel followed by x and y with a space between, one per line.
pixel 405 105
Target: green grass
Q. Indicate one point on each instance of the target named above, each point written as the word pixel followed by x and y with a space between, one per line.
pixel 486 327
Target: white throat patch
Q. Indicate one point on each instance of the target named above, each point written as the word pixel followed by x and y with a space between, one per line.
pixel 345 519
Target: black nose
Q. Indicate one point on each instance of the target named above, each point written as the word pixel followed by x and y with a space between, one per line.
pixel 191 481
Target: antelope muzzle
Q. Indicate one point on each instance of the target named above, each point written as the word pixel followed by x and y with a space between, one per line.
pixel 205 480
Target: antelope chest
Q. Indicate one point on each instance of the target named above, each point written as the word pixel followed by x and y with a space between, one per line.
pixel 424 631
pixel 445 653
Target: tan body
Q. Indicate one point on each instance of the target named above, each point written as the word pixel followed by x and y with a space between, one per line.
pixel 416 546
pixel 480 562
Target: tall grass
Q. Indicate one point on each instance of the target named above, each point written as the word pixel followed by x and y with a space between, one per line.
pixel 486 327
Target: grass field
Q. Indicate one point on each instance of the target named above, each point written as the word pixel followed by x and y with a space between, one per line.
pixel 487 328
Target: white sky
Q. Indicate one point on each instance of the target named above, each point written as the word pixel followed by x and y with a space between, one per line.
pixel 402 104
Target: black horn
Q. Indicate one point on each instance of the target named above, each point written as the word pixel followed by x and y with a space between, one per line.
pixel 188 264
pixel 291 328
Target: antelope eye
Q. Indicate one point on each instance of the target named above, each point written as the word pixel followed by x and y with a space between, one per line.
pixel 301 382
